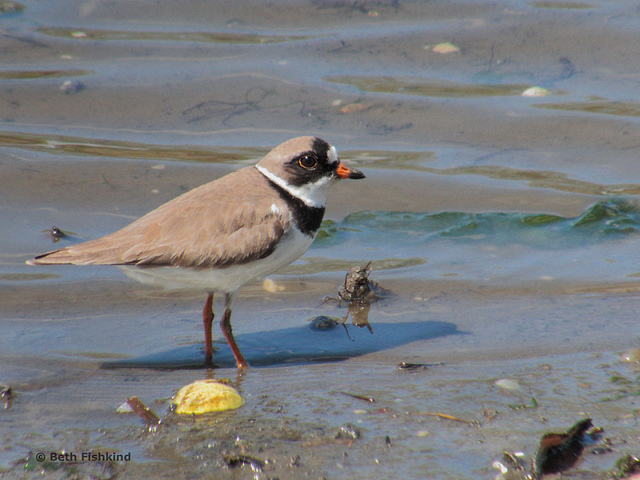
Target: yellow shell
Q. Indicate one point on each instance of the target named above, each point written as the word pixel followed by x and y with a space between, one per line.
pixel 205 396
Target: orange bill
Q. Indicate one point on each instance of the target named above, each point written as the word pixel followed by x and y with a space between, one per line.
pixel 345 172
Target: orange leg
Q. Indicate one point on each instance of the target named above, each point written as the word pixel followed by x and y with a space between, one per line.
pixel 207 319
pixel 225 326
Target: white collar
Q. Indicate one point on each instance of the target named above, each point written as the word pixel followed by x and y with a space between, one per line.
pixel 312 194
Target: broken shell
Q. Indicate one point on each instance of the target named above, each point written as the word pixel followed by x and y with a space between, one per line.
pixel 354 107
pixel 271 286
pixel 507 384
pixel 445 48
pixel 124 408
pixel 536 92
pixel 205 396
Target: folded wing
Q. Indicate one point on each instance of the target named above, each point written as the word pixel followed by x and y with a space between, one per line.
pixel 204 228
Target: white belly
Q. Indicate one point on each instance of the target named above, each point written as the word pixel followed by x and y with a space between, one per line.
pixel 225 280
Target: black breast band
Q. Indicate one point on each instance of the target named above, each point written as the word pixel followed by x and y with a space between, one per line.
pixel 306 218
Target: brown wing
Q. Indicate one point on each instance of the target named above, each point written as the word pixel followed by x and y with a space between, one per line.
pixel 225 222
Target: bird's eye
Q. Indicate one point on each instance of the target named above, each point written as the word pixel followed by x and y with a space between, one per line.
pixel 307 162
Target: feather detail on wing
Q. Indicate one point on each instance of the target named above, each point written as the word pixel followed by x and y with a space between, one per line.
pixel 204 228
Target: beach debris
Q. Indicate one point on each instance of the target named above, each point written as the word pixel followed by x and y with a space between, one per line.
pixel 558 452
pixel 235 461
pixel 359 291
pixel 489 413
pixel 357 285
pixel 55 233
pixel 150 418
pixel 443 48
pixel 349 432
pixel 446 416
pixel 512 466
pixel 411 367
pixel 628 467
pixel 6 396
pixel 533 403
pixel 595 435
pixel 365 398
pixel 204 396
pixel 536 92
pixel 294 461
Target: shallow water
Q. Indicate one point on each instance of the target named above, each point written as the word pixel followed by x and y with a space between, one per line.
pixel 505 227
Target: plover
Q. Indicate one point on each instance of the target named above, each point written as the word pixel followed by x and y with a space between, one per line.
pixel 224 234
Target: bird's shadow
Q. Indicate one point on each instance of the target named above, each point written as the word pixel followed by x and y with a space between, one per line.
pixel 302 344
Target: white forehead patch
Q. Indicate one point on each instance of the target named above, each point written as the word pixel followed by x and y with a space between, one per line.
pixel 312 194
pixel 333 155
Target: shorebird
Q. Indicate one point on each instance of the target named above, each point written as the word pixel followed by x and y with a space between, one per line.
pixel 220 236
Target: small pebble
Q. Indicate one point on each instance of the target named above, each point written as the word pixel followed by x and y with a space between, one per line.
pixel 71 86
pixel 322 322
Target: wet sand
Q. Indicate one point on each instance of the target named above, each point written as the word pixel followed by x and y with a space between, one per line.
pixel 110 109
